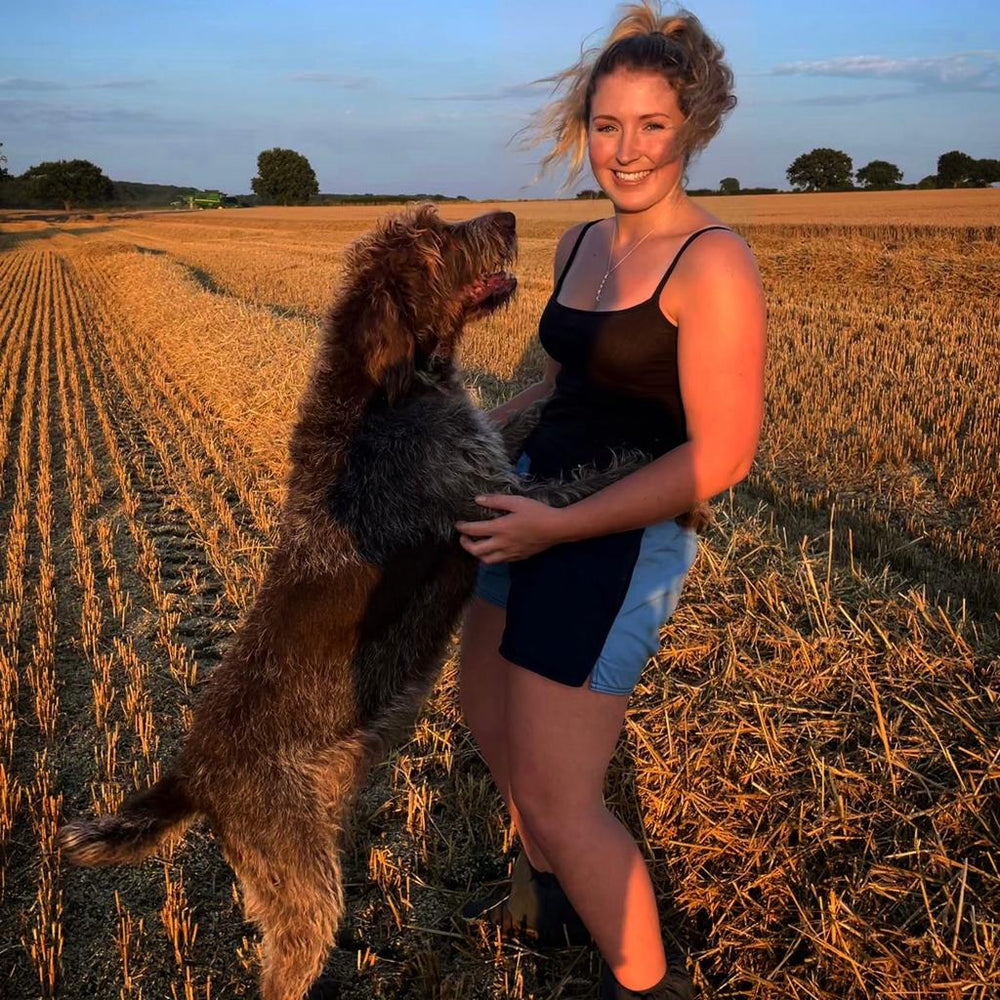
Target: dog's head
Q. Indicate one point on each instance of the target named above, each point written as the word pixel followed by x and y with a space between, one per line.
pixel 413 283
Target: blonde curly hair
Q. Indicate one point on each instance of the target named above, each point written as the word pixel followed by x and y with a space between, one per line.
pixel 643 38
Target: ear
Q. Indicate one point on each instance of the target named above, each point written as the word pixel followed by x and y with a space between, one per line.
pixel 388 346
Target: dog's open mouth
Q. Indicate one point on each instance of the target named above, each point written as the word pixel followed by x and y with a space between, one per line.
pixel 490 291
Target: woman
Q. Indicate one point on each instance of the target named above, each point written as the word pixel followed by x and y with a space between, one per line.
pixel 655 340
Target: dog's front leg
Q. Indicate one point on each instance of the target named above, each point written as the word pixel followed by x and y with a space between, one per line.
pixel 586 480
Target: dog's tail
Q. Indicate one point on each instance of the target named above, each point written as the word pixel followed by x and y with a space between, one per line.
pixel 144 821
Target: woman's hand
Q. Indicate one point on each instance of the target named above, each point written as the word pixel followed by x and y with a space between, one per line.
pixel 529 527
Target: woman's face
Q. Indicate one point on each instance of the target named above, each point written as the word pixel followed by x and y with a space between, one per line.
pixel 634 118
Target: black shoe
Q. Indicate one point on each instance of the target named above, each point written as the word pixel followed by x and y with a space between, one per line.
pixel 675 985
pixel 534 907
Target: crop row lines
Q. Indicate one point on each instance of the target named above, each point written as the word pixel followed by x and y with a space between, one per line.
pixel 237 557
pixel 15 324
pixel 187 416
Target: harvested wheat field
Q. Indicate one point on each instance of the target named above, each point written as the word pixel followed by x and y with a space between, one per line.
pixel 811 765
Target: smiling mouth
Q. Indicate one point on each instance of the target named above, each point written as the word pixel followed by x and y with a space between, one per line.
pixel 631 177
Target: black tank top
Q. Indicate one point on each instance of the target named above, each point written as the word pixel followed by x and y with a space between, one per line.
pixel 618 386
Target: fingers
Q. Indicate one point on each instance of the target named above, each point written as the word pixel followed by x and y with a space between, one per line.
pixel 482 549
pixel 492 501
pixel 499 501
pixel 478 529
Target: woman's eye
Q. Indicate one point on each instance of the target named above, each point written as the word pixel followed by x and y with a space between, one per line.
pixel 654 126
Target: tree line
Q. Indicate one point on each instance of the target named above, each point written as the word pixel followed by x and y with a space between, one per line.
pixel 286 177
pixel 826 169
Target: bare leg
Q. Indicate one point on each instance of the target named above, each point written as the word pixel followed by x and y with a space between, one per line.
pixel 482 686
pixel 560 740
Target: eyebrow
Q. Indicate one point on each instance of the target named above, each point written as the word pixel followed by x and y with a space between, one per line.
pixel 654 114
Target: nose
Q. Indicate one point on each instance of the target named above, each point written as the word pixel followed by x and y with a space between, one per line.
pixel 627 150
pixel 506 222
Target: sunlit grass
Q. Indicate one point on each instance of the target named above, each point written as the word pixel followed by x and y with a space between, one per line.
pixel 810 765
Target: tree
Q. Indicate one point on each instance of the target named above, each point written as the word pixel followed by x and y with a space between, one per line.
pixel 880 174
pixel 930 181
pixel 285 177
pixel 71 182
pixel 984 173
pixel 821 169
pixel 729 185
pixel 3 166
pixel 958 169
pixel 954 169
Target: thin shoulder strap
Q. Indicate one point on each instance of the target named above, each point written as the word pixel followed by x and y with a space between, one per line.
pixel 677 256
pixel 572 255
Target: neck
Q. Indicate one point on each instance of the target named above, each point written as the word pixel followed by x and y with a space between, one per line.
pixel 665 216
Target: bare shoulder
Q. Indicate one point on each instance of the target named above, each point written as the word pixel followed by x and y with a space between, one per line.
pixel 720 250
pixel 565 247
pixel 718 264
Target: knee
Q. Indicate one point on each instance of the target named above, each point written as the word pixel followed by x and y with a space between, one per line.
pixel 552 815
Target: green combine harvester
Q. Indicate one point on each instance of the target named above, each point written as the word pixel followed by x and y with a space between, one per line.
pixel 206 199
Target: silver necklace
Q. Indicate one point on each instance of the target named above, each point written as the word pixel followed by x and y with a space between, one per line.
pixel 614 267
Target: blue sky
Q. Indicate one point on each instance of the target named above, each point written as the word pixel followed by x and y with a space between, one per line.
pixel 425 97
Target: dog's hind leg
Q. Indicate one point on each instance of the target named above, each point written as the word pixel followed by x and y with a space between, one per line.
pixel 286 854
pixel 297 903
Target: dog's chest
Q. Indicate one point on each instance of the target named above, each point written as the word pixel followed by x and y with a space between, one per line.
pixel 411 471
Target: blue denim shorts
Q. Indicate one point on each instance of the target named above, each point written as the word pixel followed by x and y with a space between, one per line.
pixel 594 608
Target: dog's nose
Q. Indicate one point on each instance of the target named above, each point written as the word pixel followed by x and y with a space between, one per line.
pixel 506 221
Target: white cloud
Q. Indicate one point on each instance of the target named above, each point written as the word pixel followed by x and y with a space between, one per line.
pixel 336 79
pixel 977 70
pixel 119 84
pixel 25 83
pixel 512 92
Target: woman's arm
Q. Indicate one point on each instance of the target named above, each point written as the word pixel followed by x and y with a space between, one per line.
pixel 720 357
pixel 502 413
pixel 721 348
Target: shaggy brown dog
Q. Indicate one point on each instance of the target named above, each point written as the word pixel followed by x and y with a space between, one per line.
pixel 343 642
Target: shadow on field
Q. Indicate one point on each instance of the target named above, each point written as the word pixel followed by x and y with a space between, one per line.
pixel 209 284
pixel 494 390
pixel 877 546
pixel 13 239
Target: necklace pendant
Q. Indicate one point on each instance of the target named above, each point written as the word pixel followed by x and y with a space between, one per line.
pixel 613 265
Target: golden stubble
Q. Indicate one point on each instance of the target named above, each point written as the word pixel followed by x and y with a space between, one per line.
pixel 809 764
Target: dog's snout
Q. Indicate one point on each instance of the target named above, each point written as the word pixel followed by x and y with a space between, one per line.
pixel 506 222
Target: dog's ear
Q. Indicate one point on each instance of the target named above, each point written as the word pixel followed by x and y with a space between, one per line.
pixel 388 346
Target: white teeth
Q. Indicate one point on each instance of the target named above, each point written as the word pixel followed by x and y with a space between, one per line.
pixel 632 177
